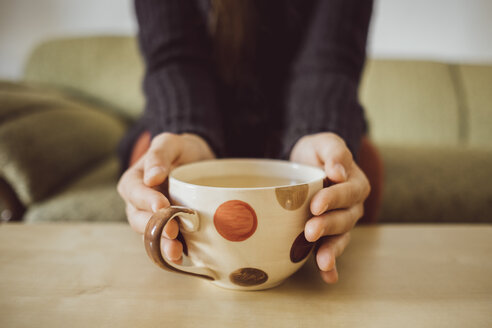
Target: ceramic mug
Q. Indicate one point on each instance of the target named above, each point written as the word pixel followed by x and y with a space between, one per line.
pixel 242 220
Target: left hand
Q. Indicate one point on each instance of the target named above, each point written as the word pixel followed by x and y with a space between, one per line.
pixel 337 208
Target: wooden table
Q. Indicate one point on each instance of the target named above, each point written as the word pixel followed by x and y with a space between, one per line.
pixel 66 275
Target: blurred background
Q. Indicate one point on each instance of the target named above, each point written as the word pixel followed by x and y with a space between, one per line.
pixel 70 86
pixel 451 30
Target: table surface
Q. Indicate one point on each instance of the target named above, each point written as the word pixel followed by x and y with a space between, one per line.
pixel 98 275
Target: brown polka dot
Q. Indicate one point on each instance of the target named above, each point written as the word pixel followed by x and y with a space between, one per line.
pixel 248 277
pixel 300 248
pixel 327 182
pixel 292 197
pixel 235 220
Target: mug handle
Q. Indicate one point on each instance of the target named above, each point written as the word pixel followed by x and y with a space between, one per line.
pixel 190 222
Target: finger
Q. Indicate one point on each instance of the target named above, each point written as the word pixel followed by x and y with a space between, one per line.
pixel 333 222
pixel 305 154
pixel 330 277
pixel 336 157
pixel 132 189
pixel 163 150
pixel 341 195
pixel 138 221
pixel 172 250
pixel 171 230
pixel 330 249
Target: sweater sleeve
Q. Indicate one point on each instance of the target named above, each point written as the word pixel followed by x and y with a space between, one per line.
pixel 180 85
pixel 321 94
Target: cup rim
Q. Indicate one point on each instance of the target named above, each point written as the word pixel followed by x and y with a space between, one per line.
pixel 292 165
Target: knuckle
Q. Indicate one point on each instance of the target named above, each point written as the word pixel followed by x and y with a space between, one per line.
pixel 358 211
pixel 336 138
pixel 136 196
pixel 121 186
pixel 158 198
pixel 348 237
pixel 155 198
pixel 361 212
pixel 328 135
pixel 163 138
pixel 348 155
pixel 133 224
pixel 128 210
pixel 336 149
pixel 130 216
pixel 367 190
pixel 365 186
pixel 152 156
pixel 329 198
pixel 354 195
pixel 167 136
pixel 132 195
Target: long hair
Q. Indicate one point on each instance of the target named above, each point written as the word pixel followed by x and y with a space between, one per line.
pixel 233 25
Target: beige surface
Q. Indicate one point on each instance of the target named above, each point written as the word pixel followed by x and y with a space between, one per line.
pixel 98 276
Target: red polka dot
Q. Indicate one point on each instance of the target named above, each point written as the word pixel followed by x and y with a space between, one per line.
pixel 235 220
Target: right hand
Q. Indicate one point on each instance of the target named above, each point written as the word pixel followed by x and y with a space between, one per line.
pixel 139 185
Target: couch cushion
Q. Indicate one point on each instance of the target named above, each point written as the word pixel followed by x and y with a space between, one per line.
pixel 18 99
pixel 477 94
pixel 92 197
pixel 47 140
pixel 410 103
pixel 430 184
pixel 106 69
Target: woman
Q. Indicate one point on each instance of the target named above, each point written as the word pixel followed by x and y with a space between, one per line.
pixel 252 78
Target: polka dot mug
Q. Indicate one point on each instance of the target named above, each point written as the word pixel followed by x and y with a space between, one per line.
pixel 242 220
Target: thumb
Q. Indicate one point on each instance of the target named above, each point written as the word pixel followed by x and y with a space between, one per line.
pixel 336 157
pixel 163 151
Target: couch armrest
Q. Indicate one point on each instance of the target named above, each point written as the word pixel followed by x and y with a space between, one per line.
pixel 46 140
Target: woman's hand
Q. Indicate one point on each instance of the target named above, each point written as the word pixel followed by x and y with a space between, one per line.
pixel 139 184
pixel 336 208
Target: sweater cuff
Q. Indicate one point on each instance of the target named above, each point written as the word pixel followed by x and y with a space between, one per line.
pixel 212 137
pixel 183 100
pixel 323 103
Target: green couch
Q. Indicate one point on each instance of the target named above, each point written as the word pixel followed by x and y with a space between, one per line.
pixel 60 125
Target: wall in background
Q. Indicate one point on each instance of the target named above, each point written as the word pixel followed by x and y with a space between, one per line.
pixel 24 23
pixel 449 30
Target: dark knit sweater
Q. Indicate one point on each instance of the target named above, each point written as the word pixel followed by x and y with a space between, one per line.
pixel 306 72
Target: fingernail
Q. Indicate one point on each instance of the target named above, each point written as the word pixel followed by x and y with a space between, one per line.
pixel 315 234
pixel 322 210
pixel 341 170
pixel 155 207
pixel 325 264
pixel 169 255
pixel 156 170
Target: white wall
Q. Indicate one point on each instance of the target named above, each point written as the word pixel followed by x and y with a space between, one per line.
pixel 23 23
pixel 450 30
